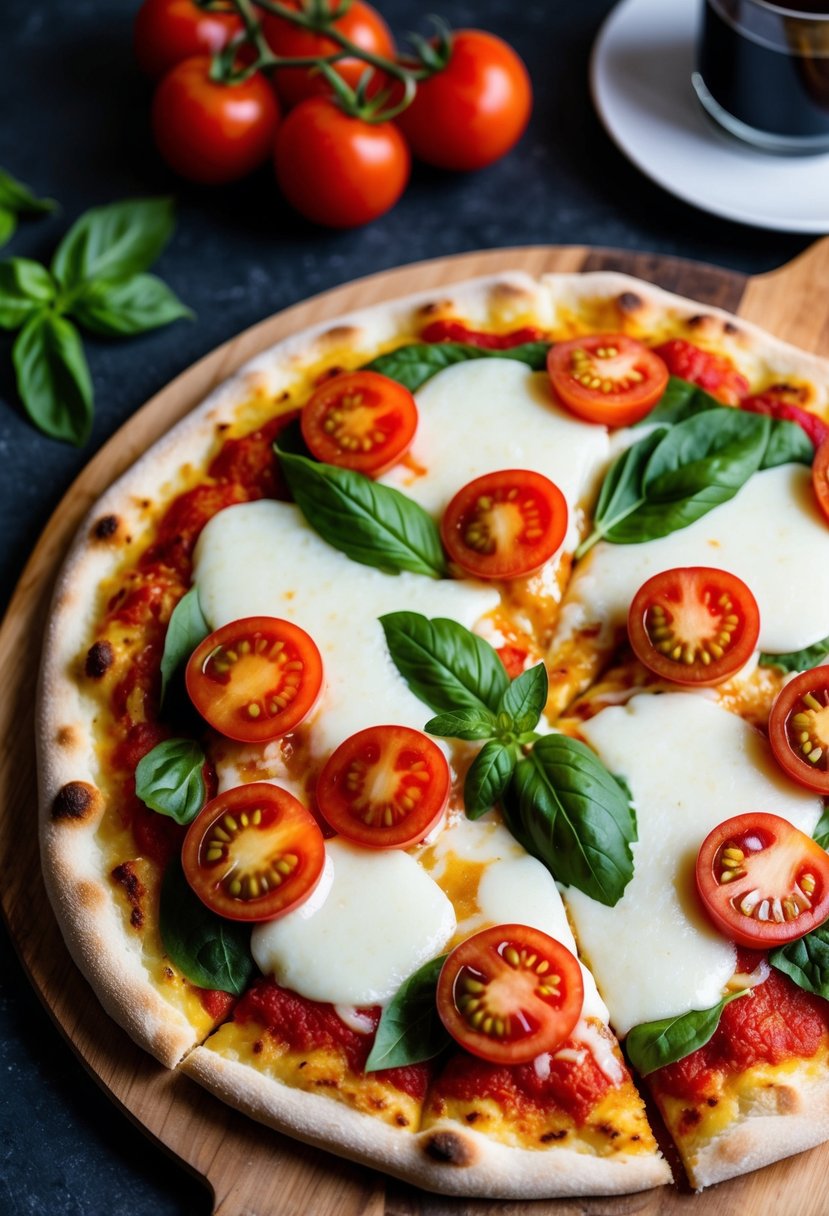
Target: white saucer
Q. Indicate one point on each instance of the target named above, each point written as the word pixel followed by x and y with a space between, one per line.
pixel 641 82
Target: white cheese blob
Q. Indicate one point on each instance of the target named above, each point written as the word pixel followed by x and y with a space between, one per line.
pixel 690 765
pixel 263 559
pixel 380 917
pixel 491 414
pixel 772 535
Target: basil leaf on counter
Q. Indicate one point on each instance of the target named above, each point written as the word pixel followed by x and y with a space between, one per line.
pixel 185 630
pixel 17 199
pixel 567 810
pixel 798 660
pixel 114 242
pixel 413 365
pixel 210 951
pixel 806 961
pixel 132 306
pixel 410 1030
pixel 525 699
pixel 26 288
pixel 651 1045
pixel 488 777
pixel 170 779
pixel 371 523
pixel 447 666
pixel 468 724
pixel 53 378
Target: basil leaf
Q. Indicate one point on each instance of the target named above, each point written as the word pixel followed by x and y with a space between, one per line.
pixel 186 629
pixel 25 288
pixel 410 1030
pixel 16 196
pixel 170 779
pixel 371 523
pixel 821 832
pixel 680 400
pixel 806 961
pixel 567 810
pixel 130 307
pixel 652 1045
pixel 53 378
pixel 114 242
pixel 445 665
pixel 798 660
pixel 470 724
pixel 413 365
pixel 488 777
pixel 210 951
pixel 621 493
pixel 8 225
pixel 525 698
pixel 788 444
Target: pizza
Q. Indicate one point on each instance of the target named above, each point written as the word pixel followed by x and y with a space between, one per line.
pixel 432 740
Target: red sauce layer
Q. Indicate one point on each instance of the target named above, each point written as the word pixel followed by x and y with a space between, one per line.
pixel 455 331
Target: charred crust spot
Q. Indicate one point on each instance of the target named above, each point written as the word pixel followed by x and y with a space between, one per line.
pixel 401 1120
pixel 77 800
pixel 690 1118
pixel 169 973
pixel 221 427
pixel 730 328
pixel 434 308
pixel 473 1116
pixel 448 1148
pixel 629 301
pixel 330 373
pixel 125 875
pixel 712 1101
pixel 340 334
pixel 258 1046
pixel 326 1083
pixel 99 659
pixel 378 1103
pixel 607 1129
pixel 302 1064
pixel 66 736
pixel 509 291
pixel 697 320
pixel 283 396
pixel 549 1137
pixel 105 528
pixel 787 1099
pixel 636 1137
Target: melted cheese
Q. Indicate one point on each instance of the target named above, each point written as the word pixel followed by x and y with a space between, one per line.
pixel 491 414
pixel 771 535
pixel 690 765
pixel 377 918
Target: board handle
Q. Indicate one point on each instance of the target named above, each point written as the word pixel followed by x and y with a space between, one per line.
pixel 793 302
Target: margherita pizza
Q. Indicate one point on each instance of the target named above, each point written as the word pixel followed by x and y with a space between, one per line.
pixel 421 719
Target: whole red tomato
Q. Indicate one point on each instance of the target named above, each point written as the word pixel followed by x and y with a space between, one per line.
pixel 362 24
pixel 168 31
pixel 472 111
pixel 338 170
pixel 211 132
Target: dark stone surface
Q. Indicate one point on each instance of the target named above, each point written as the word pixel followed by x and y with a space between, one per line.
pixel 74 125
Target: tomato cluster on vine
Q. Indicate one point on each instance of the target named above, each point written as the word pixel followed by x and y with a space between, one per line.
pixel 319 88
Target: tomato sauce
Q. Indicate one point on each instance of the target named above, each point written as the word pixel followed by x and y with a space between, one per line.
pixel 455 331
pixel 250 461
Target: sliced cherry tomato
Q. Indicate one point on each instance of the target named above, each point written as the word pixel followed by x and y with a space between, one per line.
pixel 168 31
pixel 385 787
pixel 360 420
pixel 362 24
pixel 472 111
pixel 820 477
pixel 509 993
pixel 253 853
pixel 505 524
pixel 209 132
pixel 694 625
pixel 456 331
pixel 337 170
pixel 799 729
pixel 607 378
pixel 785 401
pixel 715 373
pixel 255 679
pixel 762 881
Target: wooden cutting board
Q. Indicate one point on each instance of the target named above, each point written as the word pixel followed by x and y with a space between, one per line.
pixel 251 1170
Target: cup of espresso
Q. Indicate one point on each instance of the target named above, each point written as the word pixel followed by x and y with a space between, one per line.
pixel 762 72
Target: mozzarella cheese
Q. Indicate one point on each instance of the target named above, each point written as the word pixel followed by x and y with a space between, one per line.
pixel 771 535
pixel 491 414
pixel 375 918
pixel 690 765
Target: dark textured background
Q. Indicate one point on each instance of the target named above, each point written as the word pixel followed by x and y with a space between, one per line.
pixel 73 124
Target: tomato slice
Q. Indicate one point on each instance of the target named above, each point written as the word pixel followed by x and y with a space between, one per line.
pixel 505 524
pixel 694 625
pixel 607 378
pixel 763 882
pixel 253 853
pixel 820 477
pixel 385 787
pixel 508 993
pixel 255 679
pixel 361 421
pixel 799 729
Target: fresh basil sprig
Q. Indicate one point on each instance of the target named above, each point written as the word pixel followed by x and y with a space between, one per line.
pixel 97 277
pixel 185 630
pixel 17 199
pixel 410 1030
pixel 170 779
pixel 447 666
pixel 798 660
pixel 371 523
pixel 806 961
pixel 652 1045
pixel 210 951
pixel 413 365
